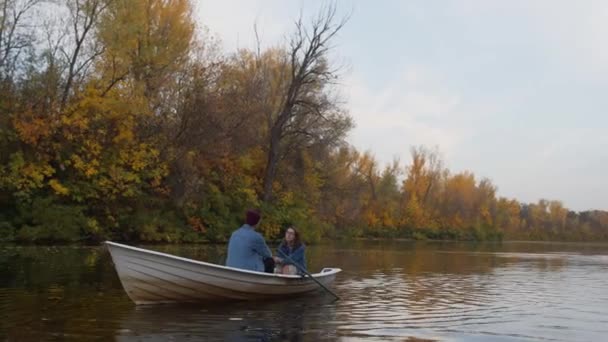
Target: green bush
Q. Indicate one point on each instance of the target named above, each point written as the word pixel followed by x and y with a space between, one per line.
pixel 48 221
pixel 419 236
pixel 7 232
pixel 156 225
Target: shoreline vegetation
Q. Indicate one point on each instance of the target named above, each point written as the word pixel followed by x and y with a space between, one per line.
pixel 276 242
pixel 120 120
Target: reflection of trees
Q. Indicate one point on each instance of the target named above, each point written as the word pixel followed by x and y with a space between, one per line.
pixel 58 292
pixel 415 285
pixel 52 291
pixel 449 258
pixel 35 267
pixel 413 259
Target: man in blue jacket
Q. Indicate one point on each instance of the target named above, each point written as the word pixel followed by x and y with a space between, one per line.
pixel 247 248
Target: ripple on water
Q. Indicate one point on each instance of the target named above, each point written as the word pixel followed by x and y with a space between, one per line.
pixel 429 295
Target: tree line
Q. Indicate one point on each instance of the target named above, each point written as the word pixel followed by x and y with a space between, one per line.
pixel 119 119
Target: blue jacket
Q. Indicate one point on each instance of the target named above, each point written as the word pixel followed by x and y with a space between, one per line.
pixel 247 249
pixel 297 255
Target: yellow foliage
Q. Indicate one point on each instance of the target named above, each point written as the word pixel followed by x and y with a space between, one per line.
pixel 456 222
pixel 31 129
pixel 28 175
pixel 371 219
pixel 58 187
pixel 90 171
pixel 414 214
pixel 125 134
pixel 269 228
pixel 388 220
pixel 486 217
pixel 147 40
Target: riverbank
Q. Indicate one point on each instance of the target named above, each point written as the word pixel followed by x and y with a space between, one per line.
pixel 203 242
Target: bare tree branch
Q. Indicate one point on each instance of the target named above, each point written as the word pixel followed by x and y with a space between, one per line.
pixel 84 15
pixel 308 48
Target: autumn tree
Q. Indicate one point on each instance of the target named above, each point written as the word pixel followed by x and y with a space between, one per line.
pixel 304 109
pixel 118 120
pixel 421 187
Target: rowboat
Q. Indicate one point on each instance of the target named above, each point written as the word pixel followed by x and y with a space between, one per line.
pixel 150 277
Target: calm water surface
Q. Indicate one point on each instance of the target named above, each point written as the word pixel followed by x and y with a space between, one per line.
pixel 399 291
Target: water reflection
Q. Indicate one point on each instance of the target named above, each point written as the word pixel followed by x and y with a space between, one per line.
pixel 390 291
pixel 445 293
pixel 295 320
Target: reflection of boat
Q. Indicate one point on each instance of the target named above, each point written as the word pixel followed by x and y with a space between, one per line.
pixel 300 319
pixel 151 277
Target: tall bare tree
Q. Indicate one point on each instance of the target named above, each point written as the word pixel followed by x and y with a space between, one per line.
pixel 15 36
pixel 306 111
pixel 84 15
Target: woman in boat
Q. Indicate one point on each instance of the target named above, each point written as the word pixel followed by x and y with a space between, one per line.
pixel 292 247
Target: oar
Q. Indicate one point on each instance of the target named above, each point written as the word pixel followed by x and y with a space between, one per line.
pixel 301 269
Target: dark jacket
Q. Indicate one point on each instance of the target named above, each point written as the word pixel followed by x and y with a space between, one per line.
pixel 296 254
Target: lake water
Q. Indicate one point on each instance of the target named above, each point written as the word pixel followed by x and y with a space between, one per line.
pixel 395 291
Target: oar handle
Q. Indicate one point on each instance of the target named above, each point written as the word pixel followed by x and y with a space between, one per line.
pixel 301 269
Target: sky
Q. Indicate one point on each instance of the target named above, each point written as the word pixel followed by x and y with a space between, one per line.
pixel 514 91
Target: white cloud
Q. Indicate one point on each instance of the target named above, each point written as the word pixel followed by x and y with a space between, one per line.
pixel 234 21
pixel 389 120
pixel 414 109
pixel 567 32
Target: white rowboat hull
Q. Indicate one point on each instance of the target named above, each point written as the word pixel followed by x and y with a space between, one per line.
pixel 151 277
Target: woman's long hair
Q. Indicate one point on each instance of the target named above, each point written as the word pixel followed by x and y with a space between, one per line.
pixel 296 240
